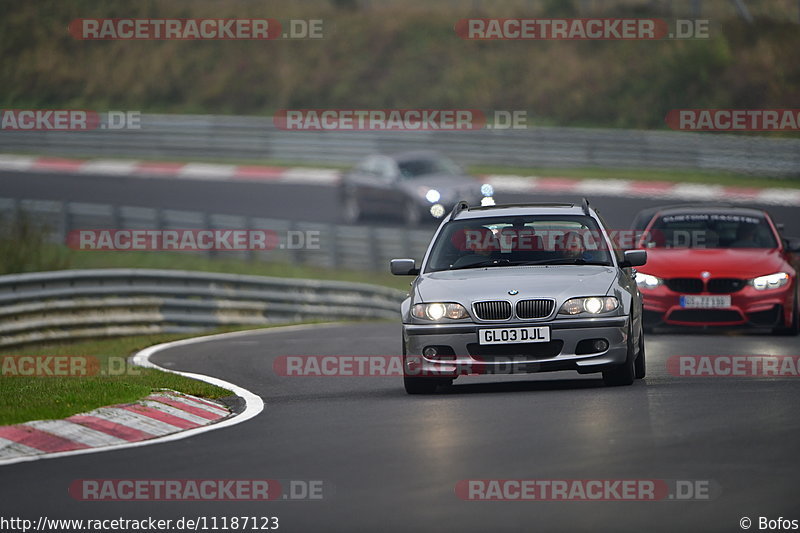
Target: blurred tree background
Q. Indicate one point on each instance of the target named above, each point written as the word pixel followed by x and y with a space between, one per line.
pixel 405 53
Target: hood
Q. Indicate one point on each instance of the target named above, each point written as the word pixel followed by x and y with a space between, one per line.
pixel 558 281
pixel 721 263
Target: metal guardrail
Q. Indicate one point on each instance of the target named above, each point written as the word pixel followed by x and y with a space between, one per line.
pixel 340 246
pixel 236 137
pixel 73 304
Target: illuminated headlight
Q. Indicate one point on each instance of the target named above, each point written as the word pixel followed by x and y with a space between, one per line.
pixel 487 200
pixel 487 190
pixel 439 311
pixel 646 281
pixel 593 305
pixel 433 196
pixel 773 281
pixel 437 210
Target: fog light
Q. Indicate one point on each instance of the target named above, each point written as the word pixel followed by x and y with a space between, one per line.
pixel 591 346
pixel 600 345
pixel 430 352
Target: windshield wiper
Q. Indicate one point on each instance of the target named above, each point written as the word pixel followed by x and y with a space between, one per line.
pixel 487 263
pixel 563 261
pixel 508 262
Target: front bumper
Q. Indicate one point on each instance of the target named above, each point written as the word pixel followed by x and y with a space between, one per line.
pixel 749 307
pixel 467 356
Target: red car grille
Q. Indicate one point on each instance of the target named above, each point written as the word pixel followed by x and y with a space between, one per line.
pixel 685 285
pixel 725 285
pixel 697 285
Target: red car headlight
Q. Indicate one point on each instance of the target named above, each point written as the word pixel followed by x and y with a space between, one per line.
pixel 771 281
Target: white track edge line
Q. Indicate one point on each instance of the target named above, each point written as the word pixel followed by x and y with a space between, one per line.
pixel 253 403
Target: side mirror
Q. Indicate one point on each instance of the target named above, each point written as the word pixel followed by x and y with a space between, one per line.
pixel 793 245
pixel 403 267
pixel 634 258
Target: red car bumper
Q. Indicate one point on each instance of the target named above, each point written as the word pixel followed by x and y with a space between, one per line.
pixel 766 308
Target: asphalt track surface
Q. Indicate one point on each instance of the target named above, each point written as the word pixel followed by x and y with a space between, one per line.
pixel 390 462
pixel 306 202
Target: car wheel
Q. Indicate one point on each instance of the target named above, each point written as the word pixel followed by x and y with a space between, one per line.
pixel 412 214
pixel 350 207
pixel 622 374
pixel 420 385
pixel 794 327
pixel 640 367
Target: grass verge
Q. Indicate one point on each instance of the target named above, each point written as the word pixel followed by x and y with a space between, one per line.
pixel 24 398
pixel 197 262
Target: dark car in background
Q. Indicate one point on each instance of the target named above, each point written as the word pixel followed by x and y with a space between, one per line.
pixel 412 186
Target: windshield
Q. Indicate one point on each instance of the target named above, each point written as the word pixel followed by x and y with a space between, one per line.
pixel 421 167
pixel 529 240
pixel 703 230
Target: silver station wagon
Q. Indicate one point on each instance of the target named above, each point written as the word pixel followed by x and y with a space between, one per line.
pixel 521 289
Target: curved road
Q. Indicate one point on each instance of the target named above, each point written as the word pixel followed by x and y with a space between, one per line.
pixel 390 462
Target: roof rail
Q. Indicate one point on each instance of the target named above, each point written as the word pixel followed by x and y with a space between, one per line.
pixel 585 206
pixel 535 204
pixel 460 206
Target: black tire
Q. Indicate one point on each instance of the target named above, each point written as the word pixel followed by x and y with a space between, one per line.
pixel 420 385
pixel 640 367
pixel 624 374
pixel 791 330
pixel 350 208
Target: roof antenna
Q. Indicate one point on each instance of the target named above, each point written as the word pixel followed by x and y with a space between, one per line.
pixel 460 206
pixel 585 206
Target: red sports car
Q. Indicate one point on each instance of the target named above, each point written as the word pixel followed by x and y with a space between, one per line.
pixel 717 266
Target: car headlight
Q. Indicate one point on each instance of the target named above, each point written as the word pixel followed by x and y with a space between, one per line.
pixel 487 189
pixel 594 305
pixel 433 195
pixel 646 281
pixel 772 281
pixel 439 311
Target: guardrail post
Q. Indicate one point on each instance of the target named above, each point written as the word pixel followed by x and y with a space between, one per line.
pixel 333 245
pixel 63 223
pixel 250 254
pixel 372 243
pixel 210 253
pixel 295 256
